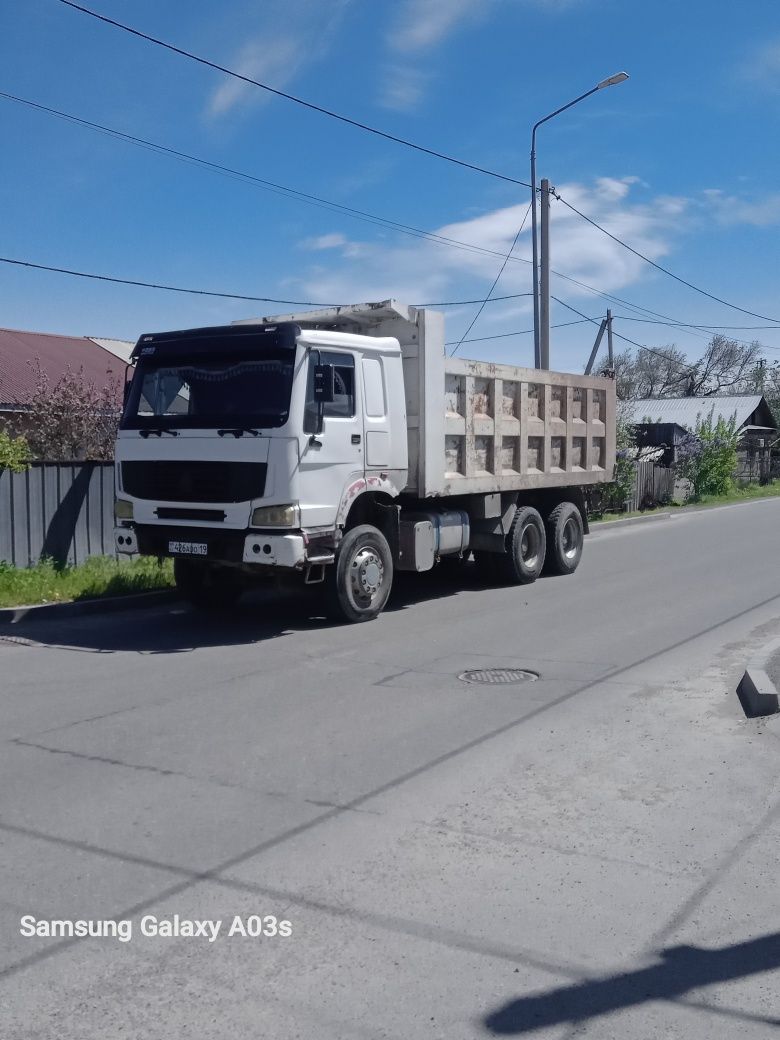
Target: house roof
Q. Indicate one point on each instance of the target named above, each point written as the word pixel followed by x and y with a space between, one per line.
pixel 19 350
pixel 684 411
pixel 121 348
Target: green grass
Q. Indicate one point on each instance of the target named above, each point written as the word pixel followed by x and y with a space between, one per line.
pixel 98 576
pixel 739 494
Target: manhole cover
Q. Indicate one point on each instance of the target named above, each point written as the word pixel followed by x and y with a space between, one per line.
pixel 492 676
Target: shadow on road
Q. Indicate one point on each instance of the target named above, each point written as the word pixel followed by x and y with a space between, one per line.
pixel 681 969
pixel 262 614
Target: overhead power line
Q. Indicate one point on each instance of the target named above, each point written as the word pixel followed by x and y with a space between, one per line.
pixel 684 327
pixel 633 342
pixel 225 295
pixel 517 332
pixel 155 285
pixel 495 283
pixel 328 204
pixel 698 325
pixel 251 179
pixel 291 97
pixel 362 215
pixel 659 267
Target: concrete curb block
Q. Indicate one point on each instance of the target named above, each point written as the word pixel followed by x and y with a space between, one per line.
pixel 756 691
pixel 109 605
pixel 601 525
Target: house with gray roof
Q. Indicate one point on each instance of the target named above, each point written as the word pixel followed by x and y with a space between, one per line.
pixel 664 422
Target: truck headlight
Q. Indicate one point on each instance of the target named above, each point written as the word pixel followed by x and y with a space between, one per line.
pixel 123 510
pixel 275 516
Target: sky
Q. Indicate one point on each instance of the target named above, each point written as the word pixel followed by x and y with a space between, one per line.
pixel 681 162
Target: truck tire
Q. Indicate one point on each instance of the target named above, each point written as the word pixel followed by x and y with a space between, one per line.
pixel 205 586
pixel 565 537
pixel 358 584
pixel 523 559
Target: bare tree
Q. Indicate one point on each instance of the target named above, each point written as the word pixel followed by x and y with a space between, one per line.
pixel 72 418
pixel 661 373
pixel 726 367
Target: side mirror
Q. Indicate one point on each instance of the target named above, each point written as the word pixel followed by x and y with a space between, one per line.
pixel 126 393
pixel 324 383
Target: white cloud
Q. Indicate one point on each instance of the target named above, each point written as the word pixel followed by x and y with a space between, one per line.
pixel 425 23
pixel 402 87
pixel 276 62
pixel 730 209
pixel 276 58
pixel 332 241
pixel 763 66
pixel 420 26
pixel 427 272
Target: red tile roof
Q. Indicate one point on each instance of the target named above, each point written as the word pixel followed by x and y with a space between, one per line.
pixel 57 354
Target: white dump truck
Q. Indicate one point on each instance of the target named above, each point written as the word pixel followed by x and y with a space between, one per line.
pixel 339 446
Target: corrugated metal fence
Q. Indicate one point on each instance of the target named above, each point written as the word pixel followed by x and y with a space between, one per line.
pixel 653 484
pixel 57 509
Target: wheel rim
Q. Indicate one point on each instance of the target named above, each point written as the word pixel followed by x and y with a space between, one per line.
pixel 570 540
pixel 530 543
pixel 366 575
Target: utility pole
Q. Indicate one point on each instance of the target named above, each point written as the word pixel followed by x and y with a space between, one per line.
pixel 544 278
pixel 610 353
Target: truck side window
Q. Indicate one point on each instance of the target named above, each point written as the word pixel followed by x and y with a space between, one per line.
pixel 374 388
pixel 343 404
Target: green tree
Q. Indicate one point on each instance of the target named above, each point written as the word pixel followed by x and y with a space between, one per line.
pixel 14 452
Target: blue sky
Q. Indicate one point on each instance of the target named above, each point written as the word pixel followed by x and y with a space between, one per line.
pixel 681 161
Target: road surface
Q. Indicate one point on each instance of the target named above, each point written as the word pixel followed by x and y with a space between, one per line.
pixel 593 853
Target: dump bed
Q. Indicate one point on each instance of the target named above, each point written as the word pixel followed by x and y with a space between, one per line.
pixel 475 426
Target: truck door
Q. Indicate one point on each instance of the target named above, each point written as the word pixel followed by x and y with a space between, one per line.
pixel 376 422
pixel 334 458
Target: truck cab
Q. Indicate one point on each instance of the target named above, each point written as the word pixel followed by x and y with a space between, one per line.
pixel 247 445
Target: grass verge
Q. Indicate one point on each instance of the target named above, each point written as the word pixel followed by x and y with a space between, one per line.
pixel 739 494
pixel 96 577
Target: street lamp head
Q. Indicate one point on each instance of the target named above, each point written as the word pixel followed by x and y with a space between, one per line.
pixel 619 77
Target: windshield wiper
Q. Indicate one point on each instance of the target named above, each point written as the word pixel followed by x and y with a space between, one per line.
pixel 238 431
pixel 158 431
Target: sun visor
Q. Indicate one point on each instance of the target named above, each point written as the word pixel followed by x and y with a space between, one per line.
pixel 228 340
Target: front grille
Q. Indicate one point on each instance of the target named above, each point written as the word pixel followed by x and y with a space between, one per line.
pixel 188 513
pixel 194 481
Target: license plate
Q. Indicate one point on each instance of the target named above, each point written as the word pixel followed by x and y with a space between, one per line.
pixel 188 548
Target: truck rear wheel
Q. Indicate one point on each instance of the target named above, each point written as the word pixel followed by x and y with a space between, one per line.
pixel 565 537
pixel 206 586
pixel 523 559
pixel 358 584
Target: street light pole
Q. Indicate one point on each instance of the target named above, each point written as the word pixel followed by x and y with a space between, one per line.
pixel 619 77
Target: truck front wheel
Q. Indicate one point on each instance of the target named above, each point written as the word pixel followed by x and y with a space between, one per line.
pixel 206 586
pixel 358 584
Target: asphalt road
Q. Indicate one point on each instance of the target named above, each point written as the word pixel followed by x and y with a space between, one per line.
pixel 590 854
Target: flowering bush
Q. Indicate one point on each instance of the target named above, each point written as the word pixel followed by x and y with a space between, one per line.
pixel 72 418
pixel 707 457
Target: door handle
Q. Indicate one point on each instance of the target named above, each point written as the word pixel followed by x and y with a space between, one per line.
pixel 356 438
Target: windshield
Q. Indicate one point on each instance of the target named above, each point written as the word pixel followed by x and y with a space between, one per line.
pixel 209 393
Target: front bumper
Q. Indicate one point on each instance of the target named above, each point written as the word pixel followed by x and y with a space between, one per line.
pixel 271 549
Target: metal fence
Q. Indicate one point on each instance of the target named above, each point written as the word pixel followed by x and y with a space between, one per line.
pixel 59 510
pixel 653 484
